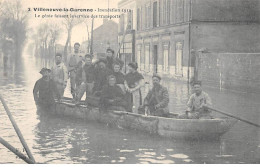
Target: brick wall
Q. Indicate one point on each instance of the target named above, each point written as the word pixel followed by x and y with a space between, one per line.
pixel 235 71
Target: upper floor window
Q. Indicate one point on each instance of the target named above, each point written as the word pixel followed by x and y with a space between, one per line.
pixel 155 14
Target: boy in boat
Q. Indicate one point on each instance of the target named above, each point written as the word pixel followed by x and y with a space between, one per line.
pixel 133 82
pixel 110 59
pixel 72 68
pixel 198 104
pixel 112 95
pixel 59 74
pixel 45 90
pixel 157 100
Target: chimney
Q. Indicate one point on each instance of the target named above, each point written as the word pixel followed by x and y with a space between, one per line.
pixel 105 20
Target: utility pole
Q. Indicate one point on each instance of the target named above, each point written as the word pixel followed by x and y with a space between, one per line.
pixel 91 48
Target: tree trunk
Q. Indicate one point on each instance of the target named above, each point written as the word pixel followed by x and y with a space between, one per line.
pixel 66 46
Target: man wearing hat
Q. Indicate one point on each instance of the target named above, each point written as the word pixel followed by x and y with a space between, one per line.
pixel 110 59
pixel 45 90
pixel 198 103
pixel 157 100
pixel 59 74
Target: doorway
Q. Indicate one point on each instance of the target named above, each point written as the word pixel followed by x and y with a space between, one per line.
pixel 155 58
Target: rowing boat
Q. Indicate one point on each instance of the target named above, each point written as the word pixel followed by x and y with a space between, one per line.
pixel 167 127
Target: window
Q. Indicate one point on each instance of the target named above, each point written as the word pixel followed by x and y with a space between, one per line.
pixel 147 58
pixel 164 12
pixel 155 14
pixel 179 47
pixel 180 10
pixel 168 12
pixel 138 19
pixel 166 57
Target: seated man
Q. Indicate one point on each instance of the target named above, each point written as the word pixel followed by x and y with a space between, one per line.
pixel 45 91
pixel 112 95
pixel 157 100
pixel 197 104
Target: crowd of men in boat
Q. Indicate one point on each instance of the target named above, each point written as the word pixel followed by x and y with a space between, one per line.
pixel 107 87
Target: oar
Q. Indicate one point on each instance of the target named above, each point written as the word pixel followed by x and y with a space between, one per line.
pixel 17 130
pixel 240 119
pixel 16 152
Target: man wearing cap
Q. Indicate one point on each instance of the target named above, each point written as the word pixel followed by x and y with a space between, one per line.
pixel 157 100
pixel 110 59
pixel 45 90
pixel 198 104
pixel 59 74
pixel 72 67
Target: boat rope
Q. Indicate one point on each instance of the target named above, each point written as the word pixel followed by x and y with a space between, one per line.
pixel 17 130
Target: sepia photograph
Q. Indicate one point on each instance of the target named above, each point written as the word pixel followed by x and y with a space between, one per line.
pixel 129 82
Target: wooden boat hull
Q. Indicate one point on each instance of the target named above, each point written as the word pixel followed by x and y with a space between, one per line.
pixel 168 127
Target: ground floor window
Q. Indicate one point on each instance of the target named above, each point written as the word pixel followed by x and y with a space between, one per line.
pixel 147 57
pixel 179 52
pixel 166 57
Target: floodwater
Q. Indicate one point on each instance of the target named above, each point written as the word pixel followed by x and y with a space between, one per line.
pixel 64 140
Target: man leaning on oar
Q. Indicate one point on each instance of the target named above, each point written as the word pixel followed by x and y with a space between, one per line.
pixel 198 104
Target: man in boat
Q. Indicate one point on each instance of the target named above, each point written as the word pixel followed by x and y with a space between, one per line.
pixel 111 59
pixel 157 100
pixel 101 74
pixel 59 74
pixel 45 90
pixel 112 95
pixel 88 76
pixel 198 104
pixel 72 68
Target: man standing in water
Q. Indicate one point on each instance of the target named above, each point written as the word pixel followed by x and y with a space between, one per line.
pixel 59 74
pixel 72 68
pixel 45 90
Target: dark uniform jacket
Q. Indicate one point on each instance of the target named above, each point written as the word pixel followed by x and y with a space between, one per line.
pixel 120 77
pixel 158 96
pixel 44 92
pixel 89 73
pixel 113 93
pixel 101 75
pixel 133 78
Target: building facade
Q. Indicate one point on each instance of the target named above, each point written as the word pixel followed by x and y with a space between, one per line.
pixel 171 36
pixel 104 36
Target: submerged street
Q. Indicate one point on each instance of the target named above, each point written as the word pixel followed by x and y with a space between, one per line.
pixel 64 140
